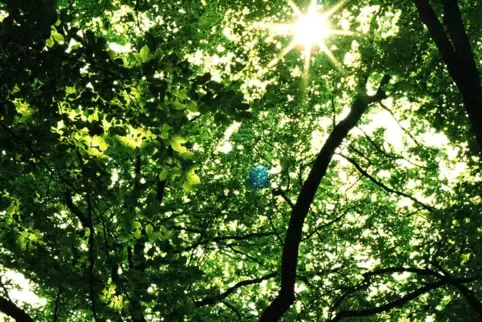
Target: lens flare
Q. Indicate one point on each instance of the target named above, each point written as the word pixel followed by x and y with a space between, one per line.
pixel 308 33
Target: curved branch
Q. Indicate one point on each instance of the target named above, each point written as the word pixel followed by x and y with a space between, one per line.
pixel 279 192
pixel 469 296
pixel 218 298
pixel 391 305
pixel 326 224
pixel 12 310
pixel 382 185
pixel 229 238
pixel 387 154
pixel 445 279
pixel 398 123
pixel 232 308
pixel 289 261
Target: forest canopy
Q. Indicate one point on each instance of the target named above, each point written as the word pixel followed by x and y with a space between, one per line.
pixel 215 160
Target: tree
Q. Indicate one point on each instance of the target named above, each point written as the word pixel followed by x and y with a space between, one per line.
pixel 456 51
pixel 128 130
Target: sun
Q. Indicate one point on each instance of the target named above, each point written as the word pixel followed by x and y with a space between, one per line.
pixel 309 29
pixel 308 33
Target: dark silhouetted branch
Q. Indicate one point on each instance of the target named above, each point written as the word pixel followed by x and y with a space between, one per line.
pixel 458 56
pixel 469 296
pixel 289 262
pixel 218 298
pixel 391 305
pixel 229 238
pixel 382 185
pixel 9 308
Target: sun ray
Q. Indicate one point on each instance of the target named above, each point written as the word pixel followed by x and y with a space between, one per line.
pixel 306 68
pixel 307 55
pixel 328 53
pixel 332 10
pixel 341 32
pixel 295 8
pixel 285 51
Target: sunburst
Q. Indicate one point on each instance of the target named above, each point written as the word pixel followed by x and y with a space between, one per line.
pixel 309 33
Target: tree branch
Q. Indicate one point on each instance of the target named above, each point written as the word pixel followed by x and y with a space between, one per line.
pixel 279 192
pixel 12 310
pixel 459 58
pixel 456 29
pixel 218 298
pixel 84 220
pixel 382 185
pixel 232 308
pixel 442 280
pixel 469 296
pixel 229 238
pixel 436 30
pixel 391 305
pixel 139 263
pixel 286 295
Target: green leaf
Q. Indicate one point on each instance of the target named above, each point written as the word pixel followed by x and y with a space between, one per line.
pixel 138 57
pixel 187 186
pixel 179 139
pixel 181 94
pixel 192 107
pixel 186 155
pixel 165 135
pixel 50 42
pixel 128 142
pixel 103 146
pixel 175 173
pixel 94 152
pixel 176 142
pixel 56 36
pixel 193 178
pixel 70 90
pixel 111 289
pixel 12 209
pixel 136 224
pixel 149 229
pixel 178 106
pixel 21 241
pixel 176 146
pixel 164 174
pixel 144 53
pixel 117 302
pixel 96 140
pixel 137 233
pixel 153 237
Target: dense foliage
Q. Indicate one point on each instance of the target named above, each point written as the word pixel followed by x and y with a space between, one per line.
pixel 135 134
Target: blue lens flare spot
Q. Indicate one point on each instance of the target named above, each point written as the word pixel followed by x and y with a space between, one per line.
pixel 259 177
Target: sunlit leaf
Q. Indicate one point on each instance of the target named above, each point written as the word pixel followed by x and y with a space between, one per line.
pixel 187 186
pixel 178 106
pixel 163 175
pixel 193 178
pixel 144 53
pixel 149 229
